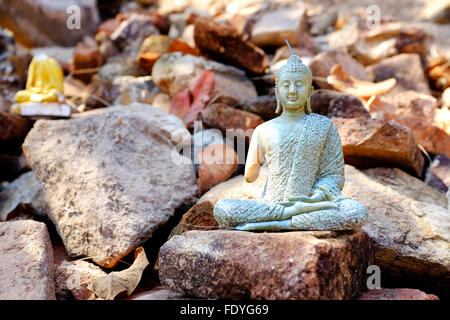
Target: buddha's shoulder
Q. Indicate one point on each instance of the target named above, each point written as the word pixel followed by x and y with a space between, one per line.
pixel 319 118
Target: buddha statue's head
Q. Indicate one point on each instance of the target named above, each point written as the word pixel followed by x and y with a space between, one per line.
pixel 293 85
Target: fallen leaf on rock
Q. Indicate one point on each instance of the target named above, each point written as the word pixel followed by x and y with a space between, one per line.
pixel 181 103
pixel 343 82
pixel 109 286
pixel 201 93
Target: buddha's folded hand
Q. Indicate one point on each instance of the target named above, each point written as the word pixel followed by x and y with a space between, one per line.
pixel 316 197
pixel 300 207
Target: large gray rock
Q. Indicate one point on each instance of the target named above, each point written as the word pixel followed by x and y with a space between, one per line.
pixel 408 221
pixel 26 255
pixel 175 71
pixel 284 265
pixel 23 195
pixel 38 23
pixel 111 179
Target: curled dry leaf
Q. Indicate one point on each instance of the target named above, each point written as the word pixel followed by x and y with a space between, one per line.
pixel 201 93
pixel 343 82
pixel 109 286
pixel 188 103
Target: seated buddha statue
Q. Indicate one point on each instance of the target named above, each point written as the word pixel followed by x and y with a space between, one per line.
pixel 305 164
pixel 44 89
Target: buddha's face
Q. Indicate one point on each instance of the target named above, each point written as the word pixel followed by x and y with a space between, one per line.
pixel 292 90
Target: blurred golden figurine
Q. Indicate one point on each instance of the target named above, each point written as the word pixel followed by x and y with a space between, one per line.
pixel 44 93
pixel 305 166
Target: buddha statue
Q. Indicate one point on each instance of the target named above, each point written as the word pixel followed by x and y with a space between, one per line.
pixel 305 164
pixel 43 94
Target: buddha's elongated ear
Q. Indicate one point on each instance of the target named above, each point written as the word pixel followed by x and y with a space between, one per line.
pixel 308 100
pixel 278 109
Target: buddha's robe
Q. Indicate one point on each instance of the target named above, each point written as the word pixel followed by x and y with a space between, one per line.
pixel 310 159
pixel 44 82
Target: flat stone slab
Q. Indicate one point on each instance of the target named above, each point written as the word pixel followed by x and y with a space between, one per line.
pixel 26 255
pixel 110 179
pixel 286 265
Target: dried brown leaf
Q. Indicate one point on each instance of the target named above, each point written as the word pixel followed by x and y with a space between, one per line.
pixel 344 82
pixel 114 283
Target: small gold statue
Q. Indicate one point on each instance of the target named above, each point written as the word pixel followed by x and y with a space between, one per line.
pixel 305 166
pixel 44 89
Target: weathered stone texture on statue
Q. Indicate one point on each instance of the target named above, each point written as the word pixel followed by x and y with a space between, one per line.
pixel 110 179
pixel 26 255
pixel 305 164
pixel 289 265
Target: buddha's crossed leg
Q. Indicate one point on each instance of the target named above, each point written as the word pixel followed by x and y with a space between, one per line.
pixel 349 215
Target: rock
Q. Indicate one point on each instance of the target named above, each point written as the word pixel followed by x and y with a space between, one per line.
pixel 169 125
pixel 64 55
pixel 87 55
pixel 323 22
pixel 389 39
pixel 111 179
pixel 203 138
pixel 283 266
pixel 188 35
pixel 199 217
pixel 162 101
pixel 109 26
pixel 175 71
pixel 371 142
pixel 396 294
pixel 26 271
pixel 237 188
pixel 106 46
pixel 132 31
pixel 347 106
pixel 211 7
pixel 25 194
pixel 445 99
pixel 13 126
pixel 263 106
pixel 117 66
pixel 217 163
pixel 419 113
pixel 72 278
pixel 406 69
pixel 223 117
pixel 156 45
pixel 438 71
pixel 159 293
pixel 274 27
pixel 128 89
pixel 322 64
pixel 438 173
pixel 408 222
pixel 223 43
pixel 44 23
pixel 45 109
pixel 438 12
pixel 337 104
pixel 13 164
